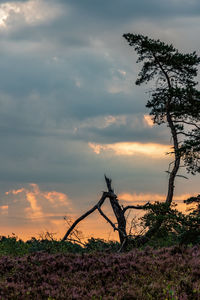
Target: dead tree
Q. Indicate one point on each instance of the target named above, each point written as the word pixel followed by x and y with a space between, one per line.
pixel 119 213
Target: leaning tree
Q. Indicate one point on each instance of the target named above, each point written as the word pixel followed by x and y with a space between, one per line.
pixel 175 101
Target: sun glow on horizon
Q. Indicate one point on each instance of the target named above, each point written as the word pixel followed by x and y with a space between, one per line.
pixel 151 197
pixel 43 213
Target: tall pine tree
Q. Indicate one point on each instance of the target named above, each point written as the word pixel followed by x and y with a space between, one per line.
pixel 174 100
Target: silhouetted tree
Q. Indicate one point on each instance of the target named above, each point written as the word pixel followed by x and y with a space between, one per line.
pixel 119 213
pixel 174 101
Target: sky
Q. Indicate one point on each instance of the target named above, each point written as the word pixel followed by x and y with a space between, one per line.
pixel 70 111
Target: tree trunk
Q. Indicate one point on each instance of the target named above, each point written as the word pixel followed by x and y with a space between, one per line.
pixel 118 211
pixel 176 162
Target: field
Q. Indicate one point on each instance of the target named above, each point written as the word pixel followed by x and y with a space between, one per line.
pixel 166 273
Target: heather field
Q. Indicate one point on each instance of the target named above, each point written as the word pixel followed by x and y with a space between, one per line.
pixel 166 273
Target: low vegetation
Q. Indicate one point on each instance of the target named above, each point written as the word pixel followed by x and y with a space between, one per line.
pixel 166 273
pixel 167 267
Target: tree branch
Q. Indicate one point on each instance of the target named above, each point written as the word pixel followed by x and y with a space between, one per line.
pixel 108 183
pixel 136 207
pixel 109 221
pixel 101 201
pixel 162 69
pixel 186 122
pixel 188 134
pixel 76 241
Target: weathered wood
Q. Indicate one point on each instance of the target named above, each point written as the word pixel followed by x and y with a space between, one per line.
pixel 118 211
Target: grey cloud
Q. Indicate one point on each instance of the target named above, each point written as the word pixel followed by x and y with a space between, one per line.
pixel 39 95
pixel 7 1
pixel 124 133
pixel 87 20
pixel 117 11
pixel 41 160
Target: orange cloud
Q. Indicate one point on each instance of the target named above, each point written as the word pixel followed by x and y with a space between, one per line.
pixel 15 192
pixel 141 197
pixel 132 148
pixel 56 198
pixel 150 197
pixel 4 210
pixel 148 120
pixel 41 203
pixel 34 210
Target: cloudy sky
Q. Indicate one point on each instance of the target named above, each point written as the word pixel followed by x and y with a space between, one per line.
pixel 70 111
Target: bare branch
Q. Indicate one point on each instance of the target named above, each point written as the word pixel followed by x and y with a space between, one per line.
pixel 107 219
pixel 182 176
pixel 188 134
pixel 76 241
pixel 101 201
pixel 188 123
pixel 108 183
pixel 136 207
pixel 75 234
pixel 168 171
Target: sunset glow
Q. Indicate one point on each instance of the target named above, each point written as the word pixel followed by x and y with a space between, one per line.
pixel 134 148
pixel 148 120
pixel 40 204
pixel 150 197
pixel 45 211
